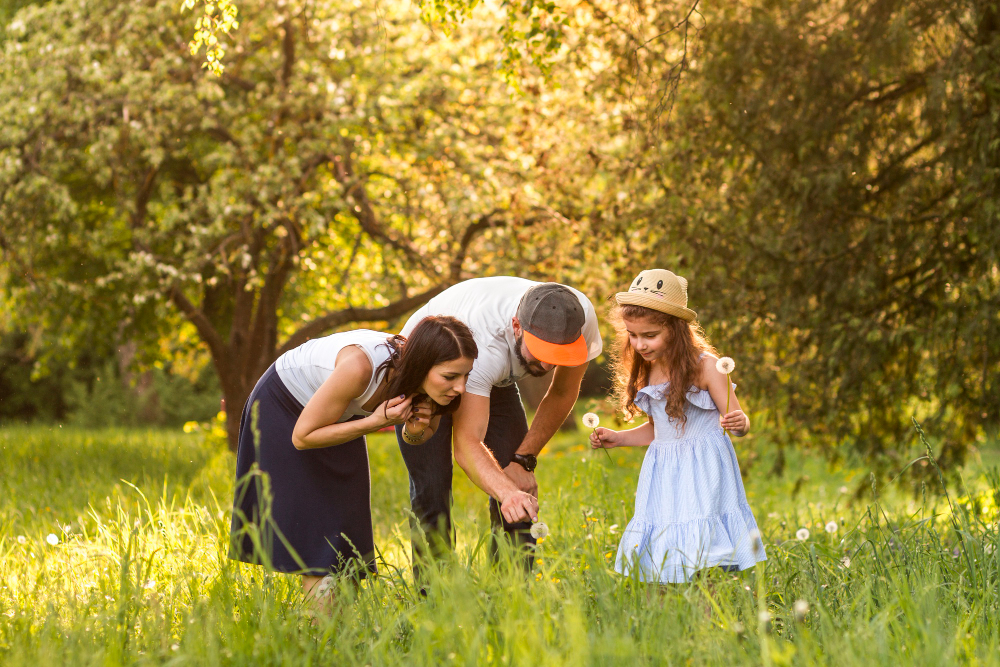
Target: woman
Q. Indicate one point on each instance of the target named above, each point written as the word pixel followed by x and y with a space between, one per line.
pixel 304 425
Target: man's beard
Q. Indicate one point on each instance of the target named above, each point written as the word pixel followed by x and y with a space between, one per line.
pixel 539 372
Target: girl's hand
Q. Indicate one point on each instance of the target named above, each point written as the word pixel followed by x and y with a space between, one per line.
pixel 394 411
pixel 605 437
pixel 736 422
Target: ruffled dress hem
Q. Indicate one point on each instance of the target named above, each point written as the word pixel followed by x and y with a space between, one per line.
pixel 670 553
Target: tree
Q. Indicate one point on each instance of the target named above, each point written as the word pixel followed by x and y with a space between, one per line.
pixel 339 172
pixel 830 180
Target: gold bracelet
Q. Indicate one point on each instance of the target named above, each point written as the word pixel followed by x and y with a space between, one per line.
pixel 411 438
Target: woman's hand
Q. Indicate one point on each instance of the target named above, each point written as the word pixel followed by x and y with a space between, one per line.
pixel 417 427
pixel 420 417
pixel 606 438
pixel 736 422
pixel 395 410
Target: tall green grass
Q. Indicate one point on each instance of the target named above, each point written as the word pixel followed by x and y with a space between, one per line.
pixel 139 574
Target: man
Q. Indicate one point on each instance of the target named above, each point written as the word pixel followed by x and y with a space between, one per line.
pixel 521 327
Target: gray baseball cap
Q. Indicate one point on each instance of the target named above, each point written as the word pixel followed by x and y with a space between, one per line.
pixel 552 318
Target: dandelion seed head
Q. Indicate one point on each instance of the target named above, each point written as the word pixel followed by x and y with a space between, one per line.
pixel 21 539
pixel 843 489
pixel 831 527
pixel 764 616
pixel 802 534
pixel 539 530
pixel 52 539
pixel 801 608
pixel 845 562
pixel 590 420
pixel 725 365
pixel 755 542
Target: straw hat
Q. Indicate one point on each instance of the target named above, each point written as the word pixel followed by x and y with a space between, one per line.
pixel 660 290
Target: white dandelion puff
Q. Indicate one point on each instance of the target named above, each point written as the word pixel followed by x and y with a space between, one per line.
pixel 590 420
pixel 755 541
pixel 831 527
pixel 725 365
pixel 845 562
pixel 539 530
pixel 52 539
pixel 21 539
pixel 802 534
pixel 764 617
pixel 801 608
pixel 325 587
pixel 843 489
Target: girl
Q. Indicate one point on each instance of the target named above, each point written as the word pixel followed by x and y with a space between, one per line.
pixel 314 407
pixel 691 510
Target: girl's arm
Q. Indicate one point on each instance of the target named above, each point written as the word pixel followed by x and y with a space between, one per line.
pixel 735 420
pixel 317 425
pixel 640 436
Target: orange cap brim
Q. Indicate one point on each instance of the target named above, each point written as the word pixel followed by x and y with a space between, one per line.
pixel 570 354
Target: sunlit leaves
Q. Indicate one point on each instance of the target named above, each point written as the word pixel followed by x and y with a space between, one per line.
pixel 219 18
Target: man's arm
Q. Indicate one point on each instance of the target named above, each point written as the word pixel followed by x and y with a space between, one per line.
pixel 554 408
pixel 469 425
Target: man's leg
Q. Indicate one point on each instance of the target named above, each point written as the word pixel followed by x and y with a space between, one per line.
pixel 430 471
pixel 508 426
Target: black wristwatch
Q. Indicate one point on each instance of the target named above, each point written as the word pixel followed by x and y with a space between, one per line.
pixel 526 461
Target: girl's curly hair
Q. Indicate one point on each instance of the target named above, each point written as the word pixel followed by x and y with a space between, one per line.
pixel 685 344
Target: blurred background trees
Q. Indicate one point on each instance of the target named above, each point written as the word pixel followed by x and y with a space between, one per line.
pixel 824 173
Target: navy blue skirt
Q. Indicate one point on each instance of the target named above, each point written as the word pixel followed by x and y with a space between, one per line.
pixel 298 511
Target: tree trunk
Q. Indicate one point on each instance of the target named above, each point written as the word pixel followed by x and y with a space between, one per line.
pixel 235 392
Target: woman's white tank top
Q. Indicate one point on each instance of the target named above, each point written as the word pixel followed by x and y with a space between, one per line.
pixel 304 369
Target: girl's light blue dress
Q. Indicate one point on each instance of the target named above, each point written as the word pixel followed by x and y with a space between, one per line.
pixel 691 510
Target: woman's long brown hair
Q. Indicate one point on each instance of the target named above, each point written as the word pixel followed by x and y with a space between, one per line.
pixel 685 343
pixel 435 340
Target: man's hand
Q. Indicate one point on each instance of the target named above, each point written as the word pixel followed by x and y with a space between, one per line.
pixel 518 507
pixel 525 480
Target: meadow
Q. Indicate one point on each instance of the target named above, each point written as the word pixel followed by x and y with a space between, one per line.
pixel 113 551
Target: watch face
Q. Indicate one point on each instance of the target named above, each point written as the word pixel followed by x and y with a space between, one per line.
pixel 527 461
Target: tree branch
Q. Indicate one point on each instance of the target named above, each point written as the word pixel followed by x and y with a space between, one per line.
pixel 200 321
pixel 338 318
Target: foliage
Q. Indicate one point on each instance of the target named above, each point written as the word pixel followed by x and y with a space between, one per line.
pixel 139 574
pixel 530 29
pixel 218 19
pixel 828 180
pixel 93 390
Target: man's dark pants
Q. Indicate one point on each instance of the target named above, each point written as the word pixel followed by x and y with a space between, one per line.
pixel 430 468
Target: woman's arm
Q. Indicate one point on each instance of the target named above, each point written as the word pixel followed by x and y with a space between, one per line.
pixel 718 385
pixel 317 425
pixel 640 436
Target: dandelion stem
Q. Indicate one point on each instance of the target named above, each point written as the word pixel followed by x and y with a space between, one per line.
pixel 729 390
